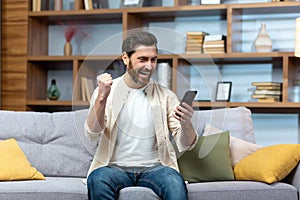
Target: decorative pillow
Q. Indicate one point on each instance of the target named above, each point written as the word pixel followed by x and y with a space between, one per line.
pixel 14 164
pixel 239 148
pixel 268 164
pixel 209 160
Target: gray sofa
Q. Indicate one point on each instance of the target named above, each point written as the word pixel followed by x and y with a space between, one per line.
pixel 55 144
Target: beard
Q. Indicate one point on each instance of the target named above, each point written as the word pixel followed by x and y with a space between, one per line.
pixel 135 75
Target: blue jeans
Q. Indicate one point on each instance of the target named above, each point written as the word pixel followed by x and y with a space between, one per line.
pixel 105 183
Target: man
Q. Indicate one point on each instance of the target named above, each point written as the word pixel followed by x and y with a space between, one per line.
pixel 132 118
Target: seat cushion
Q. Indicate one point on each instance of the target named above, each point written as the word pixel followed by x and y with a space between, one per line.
pixel 237 190
pixel 60 188
pixel 66 188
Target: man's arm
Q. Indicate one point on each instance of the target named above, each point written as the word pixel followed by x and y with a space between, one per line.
pixel 96 118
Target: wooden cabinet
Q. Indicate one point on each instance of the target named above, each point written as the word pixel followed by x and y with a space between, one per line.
pixel 232 20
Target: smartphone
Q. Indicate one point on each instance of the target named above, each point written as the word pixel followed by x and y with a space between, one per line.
pixel 189 97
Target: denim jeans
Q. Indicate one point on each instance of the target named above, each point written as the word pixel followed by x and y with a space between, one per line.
pixel 105 183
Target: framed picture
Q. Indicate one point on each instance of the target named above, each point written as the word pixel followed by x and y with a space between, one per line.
pixel 223 91
pixel 131 3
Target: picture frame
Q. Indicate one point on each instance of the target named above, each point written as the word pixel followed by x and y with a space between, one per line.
pixel 131 3
pixel 223 91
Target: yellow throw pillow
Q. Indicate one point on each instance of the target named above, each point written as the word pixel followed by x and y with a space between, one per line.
pixel 268 164
pixel 14 164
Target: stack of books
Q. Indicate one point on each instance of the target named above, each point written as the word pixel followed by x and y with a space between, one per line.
pixel 267 91
pixel 214 44
pixel 194 41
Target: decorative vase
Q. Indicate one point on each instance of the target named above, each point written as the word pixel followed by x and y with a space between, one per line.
pixel 53 92
pixel 263 42
pixel 68 49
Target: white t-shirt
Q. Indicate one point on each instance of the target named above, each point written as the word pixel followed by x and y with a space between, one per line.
pixel 136 144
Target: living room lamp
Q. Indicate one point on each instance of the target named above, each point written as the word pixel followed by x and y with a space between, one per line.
pixel 297 38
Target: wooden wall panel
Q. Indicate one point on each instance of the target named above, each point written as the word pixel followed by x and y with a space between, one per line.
pixel 14 52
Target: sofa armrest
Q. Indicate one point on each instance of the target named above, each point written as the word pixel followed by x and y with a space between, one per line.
pixel 294 178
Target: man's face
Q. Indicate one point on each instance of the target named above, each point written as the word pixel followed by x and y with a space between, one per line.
pixel 141 65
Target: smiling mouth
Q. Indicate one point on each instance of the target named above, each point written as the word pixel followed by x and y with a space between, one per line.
pixel 145 74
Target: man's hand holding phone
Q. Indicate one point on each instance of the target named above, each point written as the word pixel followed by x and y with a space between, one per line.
pixel 185 110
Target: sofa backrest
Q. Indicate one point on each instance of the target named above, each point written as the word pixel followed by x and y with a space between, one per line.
pixel 54 143
pixel 238 121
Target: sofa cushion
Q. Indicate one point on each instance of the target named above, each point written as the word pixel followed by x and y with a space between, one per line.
pixel 239 148
pixel 237 120
pixel 54 143
pixel 59 188
pixel 209 160
pixel 14 164
pixel 237 190
pixel 268 164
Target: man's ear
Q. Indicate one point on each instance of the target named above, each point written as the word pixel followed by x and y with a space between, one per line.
pixel 125 58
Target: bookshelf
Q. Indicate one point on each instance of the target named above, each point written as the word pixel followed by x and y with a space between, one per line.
pixel 232 19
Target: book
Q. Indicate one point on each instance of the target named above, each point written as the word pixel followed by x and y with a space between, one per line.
pixel 88 4
pixel 273 92
pixel 36 5
pixel 278 84
pixel 211 1
pixel 215 42
pixel 266 87
pixel 262 96
pixel 90 88
pixel 212 45
pixel 269 100
pixel 193 33
pixel 83 93
pixel 87 89
pixel 214 37
pixel 45 5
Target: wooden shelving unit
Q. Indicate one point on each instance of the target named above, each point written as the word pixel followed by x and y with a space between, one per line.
pixel 39 62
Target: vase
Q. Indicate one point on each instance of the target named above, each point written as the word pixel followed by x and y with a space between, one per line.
pixel 263 42
pixel 53 91
pixel 68 49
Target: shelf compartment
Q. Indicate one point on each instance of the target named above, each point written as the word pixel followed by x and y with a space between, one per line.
pixel 202 74
pixel 37 84
pixel 245 21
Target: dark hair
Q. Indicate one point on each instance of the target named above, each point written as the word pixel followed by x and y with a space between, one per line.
pixel 137 39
